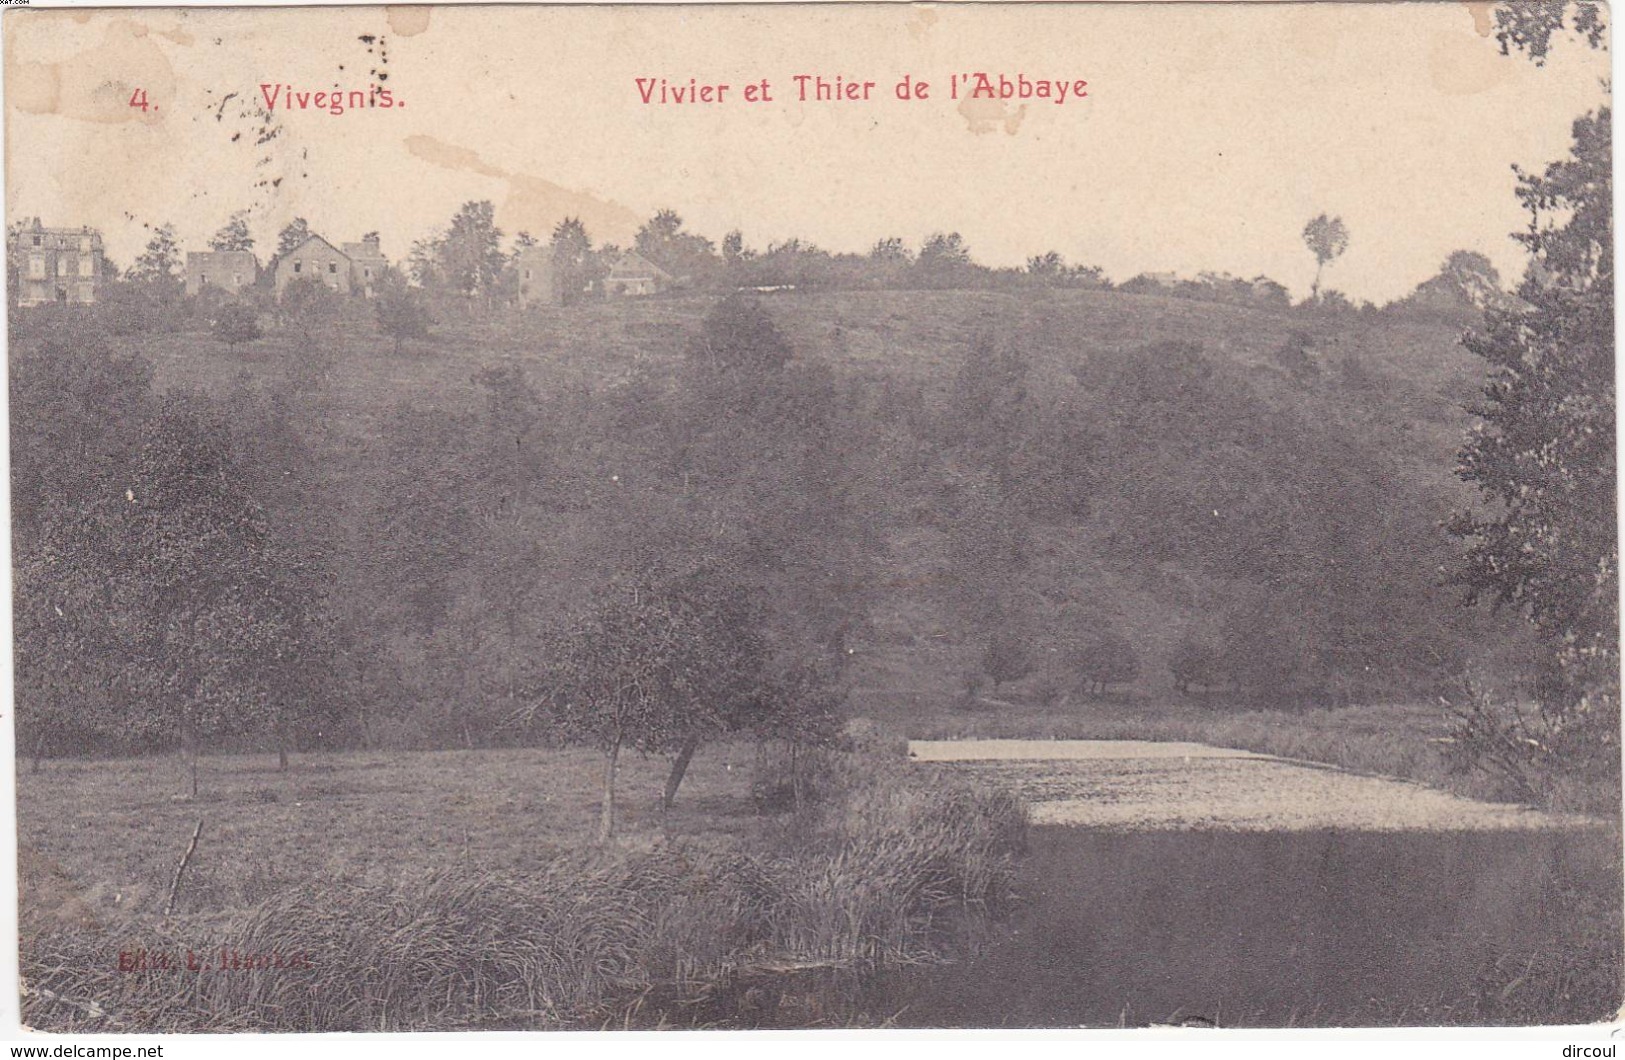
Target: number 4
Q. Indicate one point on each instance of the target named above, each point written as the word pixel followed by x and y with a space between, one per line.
pixel 138 98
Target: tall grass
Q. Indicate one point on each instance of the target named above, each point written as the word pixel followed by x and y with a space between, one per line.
pixel 891 872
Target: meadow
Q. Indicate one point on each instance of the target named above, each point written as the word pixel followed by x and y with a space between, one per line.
pixel 449 890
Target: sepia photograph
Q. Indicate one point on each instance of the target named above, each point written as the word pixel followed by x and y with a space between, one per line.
pixel 813 516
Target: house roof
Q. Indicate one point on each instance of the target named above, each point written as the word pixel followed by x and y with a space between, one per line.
pixel 313 238
pixel 634 266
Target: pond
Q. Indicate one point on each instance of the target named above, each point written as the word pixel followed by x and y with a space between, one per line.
pixel 1294 928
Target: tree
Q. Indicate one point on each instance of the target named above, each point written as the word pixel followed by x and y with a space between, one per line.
pixel 466 257
pixel 944 260
pixel 1327 238
pixel 236 323
pixel 636 671
pixel 1196 660
pixel 209 605
pixel 77 408
pixel 1108 659
pixel 1542 455
pixel 739 336
pixel 293 234
pixel 306 305
pixel 1530 27
pixel 234 235
pixel 1047 269
pixel 1007 657
pixel 574 263
pixel 158 267
pixel 890 251
pixel 686 256
pixel 401 312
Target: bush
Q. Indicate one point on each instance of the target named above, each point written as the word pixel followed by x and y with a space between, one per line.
pixel 235 323
pixel 402 314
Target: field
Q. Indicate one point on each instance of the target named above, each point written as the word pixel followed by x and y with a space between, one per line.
pixel 464 890
pixel 99 839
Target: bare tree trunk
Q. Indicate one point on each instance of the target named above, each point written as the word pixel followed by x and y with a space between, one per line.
pixel 180 869
pixel 606 819
pixel 282 757
pixel 678 768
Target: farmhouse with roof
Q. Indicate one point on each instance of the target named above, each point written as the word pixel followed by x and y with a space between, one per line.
pixel 634 274
pixel 56 264
pixel 359 267
pixel 230 271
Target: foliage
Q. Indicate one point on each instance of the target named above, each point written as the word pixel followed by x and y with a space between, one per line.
pixel 234 234
pixel 1529 26
pixel 1008 656
pixel 575 265
pixel 1327 238
pixel 236 323
pixel 466 257
pixel 1108 658
pixel 1543 457
pixel 158 268
pixel 210 609
pixel 685 255
pixel 307 306
pixel 1196 660
pixel 401 313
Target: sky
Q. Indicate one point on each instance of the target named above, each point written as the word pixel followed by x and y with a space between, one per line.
pixel 1209 135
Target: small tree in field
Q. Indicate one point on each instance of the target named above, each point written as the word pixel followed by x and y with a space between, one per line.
pixel 401 313
pixel 1107 660
pixel 1007 657
pixel 236 323
pixel 1327 238
pixel 306 306
pixel 621 677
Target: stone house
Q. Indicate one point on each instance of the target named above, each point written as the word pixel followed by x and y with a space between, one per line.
pixel 634 274
pixel 315 259
pixel 56 264
pixel 538 279
pixel 367 265
pixel 231 271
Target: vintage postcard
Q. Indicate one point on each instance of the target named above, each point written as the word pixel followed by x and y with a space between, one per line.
pixel 808 516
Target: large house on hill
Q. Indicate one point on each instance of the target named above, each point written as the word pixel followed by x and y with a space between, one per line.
pixel 231 271
pixel 634 274
pixel 56 264
pixel 359 267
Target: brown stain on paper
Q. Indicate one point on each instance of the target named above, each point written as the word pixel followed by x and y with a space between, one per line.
pixel 920 22
pixel 1460 65
pixel 983 115
pixel 80 87
pixel 533 204
pixel 1483 17
pixel 407 21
